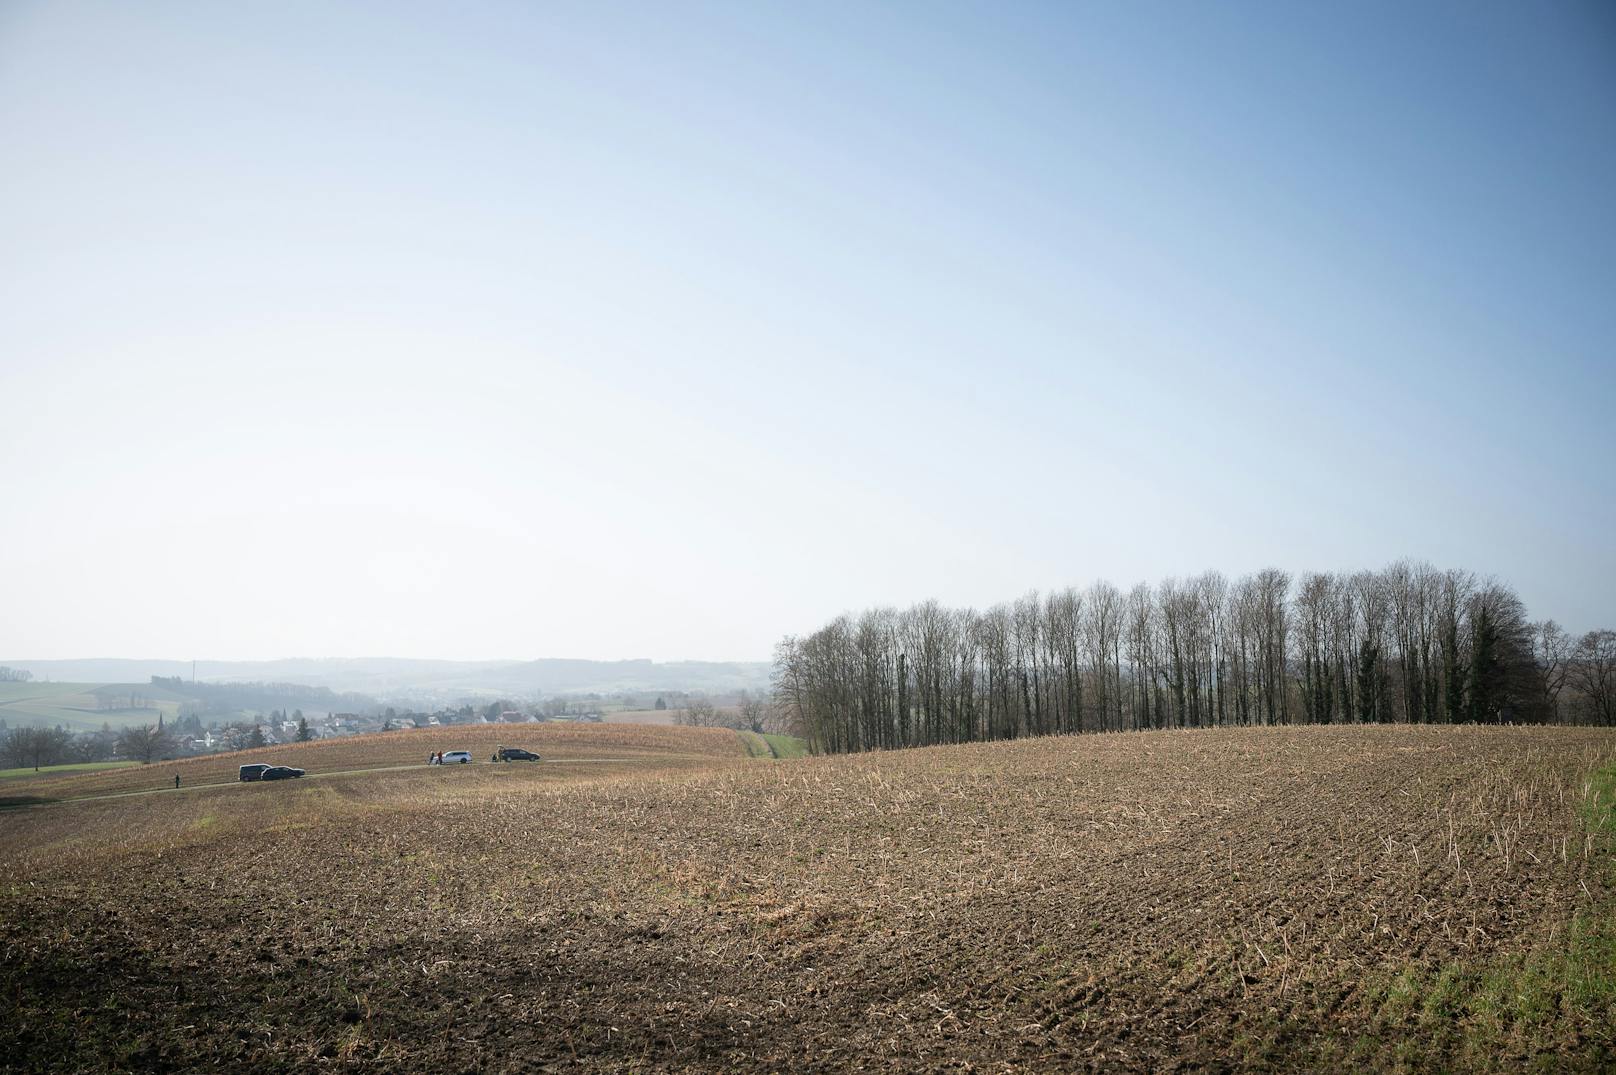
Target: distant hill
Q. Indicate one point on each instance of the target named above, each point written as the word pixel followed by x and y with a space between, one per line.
pixel 399 677
pixel 83 707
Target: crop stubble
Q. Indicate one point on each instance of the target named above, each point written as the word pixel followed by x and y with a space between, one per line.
pixel 555 741
pixel 1127 901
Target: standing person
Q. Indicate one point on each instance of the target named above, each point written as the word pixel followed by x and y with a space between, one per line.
pixel 430 758
pixel 176 781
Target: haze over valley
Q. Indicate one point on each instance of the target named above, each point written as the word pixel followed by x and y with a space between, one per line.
pixel 389 677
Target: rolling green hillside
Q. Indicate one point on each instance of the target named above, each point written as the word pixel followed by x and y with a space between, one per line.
pixel 82 707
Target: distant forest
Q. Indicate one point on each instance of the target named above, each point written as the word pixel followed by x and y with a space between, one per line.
pixel 209 699
pixel 1410 643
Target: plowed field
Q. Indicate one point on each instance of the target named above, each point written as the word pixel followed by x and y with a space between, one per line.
pixel 1327 898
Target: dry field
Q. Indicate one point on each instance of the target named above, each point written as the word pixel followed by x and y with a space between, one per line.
pixel 1323 898
pixel 642 716
pixel 572 743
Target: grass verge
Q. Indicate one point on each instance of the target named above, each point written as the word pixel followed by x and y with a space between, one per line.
pixel 773 746
pixel 75 767
pixel 1538 1010
pixel 787 746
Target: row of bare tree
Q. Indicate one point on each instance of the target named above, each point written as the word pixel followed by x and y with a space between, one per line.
pixel 1408 643
pixel 751 712
pixel 37 747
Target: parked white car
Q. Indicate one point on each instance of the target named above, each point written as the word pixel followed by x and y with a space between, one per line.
pixel 451 757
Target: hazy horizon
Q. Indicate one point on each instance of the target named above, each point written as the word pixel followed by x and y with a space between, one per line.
pixel 666 332
pixel 201 662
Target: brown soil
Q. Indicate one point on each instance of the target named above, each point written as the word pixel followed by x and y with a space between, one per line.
pixel 1158 901
pixel 382 750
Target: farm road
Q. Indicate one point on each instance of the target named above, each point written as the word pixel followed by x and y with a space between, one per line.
pixel 21 802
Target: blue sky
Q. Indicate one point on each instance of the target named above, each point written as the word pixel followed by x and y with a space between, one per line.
pixel 665 330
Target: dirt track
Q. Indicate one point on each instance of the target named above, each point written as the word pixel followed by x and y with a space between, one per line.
pixel 397 749
pixel 1145 902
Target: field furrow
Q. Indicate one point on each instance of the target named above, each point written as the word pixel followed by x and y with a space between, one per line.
pixel 1302 897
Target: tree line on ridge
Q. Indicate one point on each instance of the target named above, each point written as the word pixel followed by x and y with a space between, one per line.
pixel 1410 643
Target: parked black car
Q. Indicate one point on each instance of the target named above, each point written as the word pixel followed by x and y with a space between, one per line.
pixel 281 772
pixel 252 772
pixel 514 754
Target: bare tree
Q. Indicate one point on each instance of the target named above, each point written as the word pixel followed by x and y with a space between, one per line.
pixel 698 713
pixel 1062 632
pixel 1315 598
pixel 791 689
pixel 14 748
pixel 1141 628
pixel 1552 649
pixel 1212 591
pixel 1102 636
pixel 143 743
pixel 1593 673
pixel 1407 643
pixel 35 747
pixel 1273 586
pixel 1027 620
pixel 754 710
pixel 1243 630
pixel 238 736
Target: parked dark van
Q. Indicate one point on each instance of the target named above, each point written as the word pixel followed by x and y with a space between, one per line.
pixel 251 772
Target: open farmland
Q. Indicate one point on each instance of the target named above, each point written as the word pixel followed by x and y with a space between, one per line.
pixel 560 743
pixel 29 773
pixel 78 706
pixel 726 714
pixel 1316 897
pixel 642 716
